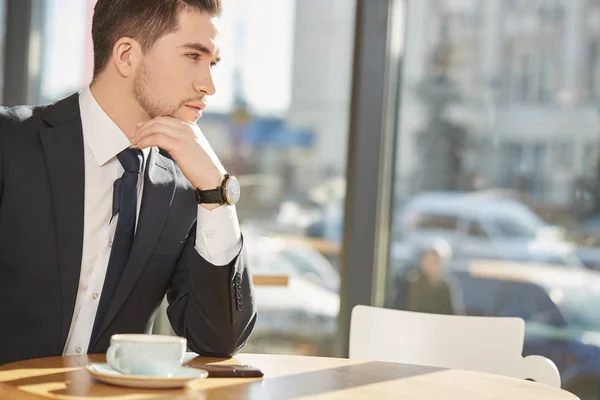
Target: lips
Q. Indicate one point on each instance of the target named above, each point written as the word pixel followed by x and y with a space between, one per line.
pixel 197 106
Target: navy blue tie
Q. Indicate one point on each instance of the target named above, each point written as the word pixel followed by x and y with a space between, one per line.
pixel 125 204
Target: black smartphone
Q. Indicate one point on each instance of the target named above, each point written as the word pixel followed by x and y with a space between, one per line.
pixel 230 371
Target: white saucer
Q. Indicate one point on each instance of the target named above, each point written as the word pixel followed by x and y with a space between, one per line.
pixel 105 373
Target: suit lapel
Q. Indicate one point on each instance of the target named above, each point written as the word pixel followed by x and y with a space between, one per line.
pixel 159 189
pixel 63 148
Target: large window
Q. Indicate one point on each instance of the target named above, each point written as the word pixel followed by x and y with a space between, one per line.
pixel 2 43
pixel 499 126
pixel 65 49
pixel 280 123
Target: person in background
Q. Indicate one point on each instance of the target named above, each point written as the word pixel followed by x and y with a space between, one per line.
pixel 428 290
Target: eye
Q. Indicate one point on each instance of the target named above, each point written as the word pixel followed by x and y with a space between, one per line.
pixel 213 65
pixel 193 56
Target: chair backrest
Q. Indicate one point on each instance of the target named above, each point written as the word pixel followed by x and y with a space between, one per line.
pixel 484 344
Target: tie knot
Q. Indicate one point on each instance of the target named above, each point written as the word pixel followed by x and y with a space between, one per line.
pixel 131 160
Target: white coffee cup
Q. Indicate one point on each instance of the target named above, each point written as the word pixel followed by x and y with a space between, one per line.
pixel 150 355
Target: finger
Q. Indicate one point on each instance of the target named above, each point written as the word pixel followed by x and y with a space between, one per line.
pixel 168 121
pixel 158 140
pixel 173 129
pixel 157 129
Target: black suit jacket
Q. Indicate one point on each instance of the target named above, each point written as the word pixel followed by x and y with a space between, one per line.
pixel 41 237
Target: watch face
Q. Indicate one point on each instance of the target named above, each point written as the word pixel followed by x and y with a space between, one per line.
pixel 233 190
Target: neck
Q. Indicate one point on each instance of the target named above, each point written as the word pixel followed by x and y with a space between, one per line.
pixel 122 108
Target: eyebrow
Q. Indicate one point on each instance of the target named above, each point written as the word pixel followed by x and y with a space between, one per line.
pixel 202 49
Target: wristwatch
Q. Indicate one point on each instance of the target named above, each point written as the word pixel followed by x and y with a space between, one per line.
pixel 227 193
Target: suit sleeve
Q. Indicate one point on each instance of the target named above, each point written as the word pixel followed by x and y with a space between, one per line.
pixel 212 306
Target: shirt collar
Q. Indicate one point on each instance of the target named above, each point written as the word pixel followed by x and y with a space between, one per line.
pixel 104 137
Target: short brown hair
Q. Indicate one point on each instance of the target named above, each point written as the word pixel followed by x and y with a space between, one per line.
pixel 143 20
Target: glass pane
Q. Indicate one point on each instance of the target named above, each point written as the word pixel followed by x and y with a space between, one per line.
pixel 282 127
pixel 2 44
pixel 66 48
pixel 499 128
pixel 279 122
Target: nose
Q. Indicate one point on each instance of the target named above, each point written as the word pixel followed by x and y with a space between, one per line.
pixel 204 83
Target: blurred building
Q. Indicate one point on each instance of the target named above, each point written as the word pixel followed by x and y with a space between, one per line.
pixel 513 86
pixel 321 85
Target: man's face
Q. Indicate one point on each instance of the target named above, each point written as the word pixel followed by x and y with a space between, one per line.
pixel 431 265
pixel 175 75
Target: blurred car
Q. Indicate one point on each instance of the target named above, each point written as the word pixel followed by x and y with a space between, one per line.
pixel 478 226
pixel 301 317
pixel 590 257
pixel 559 306
pixel 591 225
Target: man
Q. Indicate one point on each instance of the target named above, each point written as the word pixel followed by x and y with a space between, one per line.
pixel 108 199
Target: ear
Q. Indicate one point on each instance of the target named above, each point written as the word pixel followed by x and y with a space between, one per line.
pixel 127 55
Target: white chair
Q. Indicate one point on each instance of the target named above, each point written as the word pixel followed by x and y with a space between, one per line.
pixel 484 344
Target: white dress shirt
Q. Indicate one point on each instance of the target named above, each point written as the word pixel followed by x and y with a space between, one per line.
pixel 218 237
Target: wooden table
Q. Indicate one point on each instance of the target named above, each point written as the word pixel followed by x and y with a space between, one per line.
pixel 286 377
pixel 270 280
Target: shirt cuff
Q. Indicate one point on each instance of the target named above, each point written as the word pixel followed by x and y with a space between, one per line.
pixel 218 235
